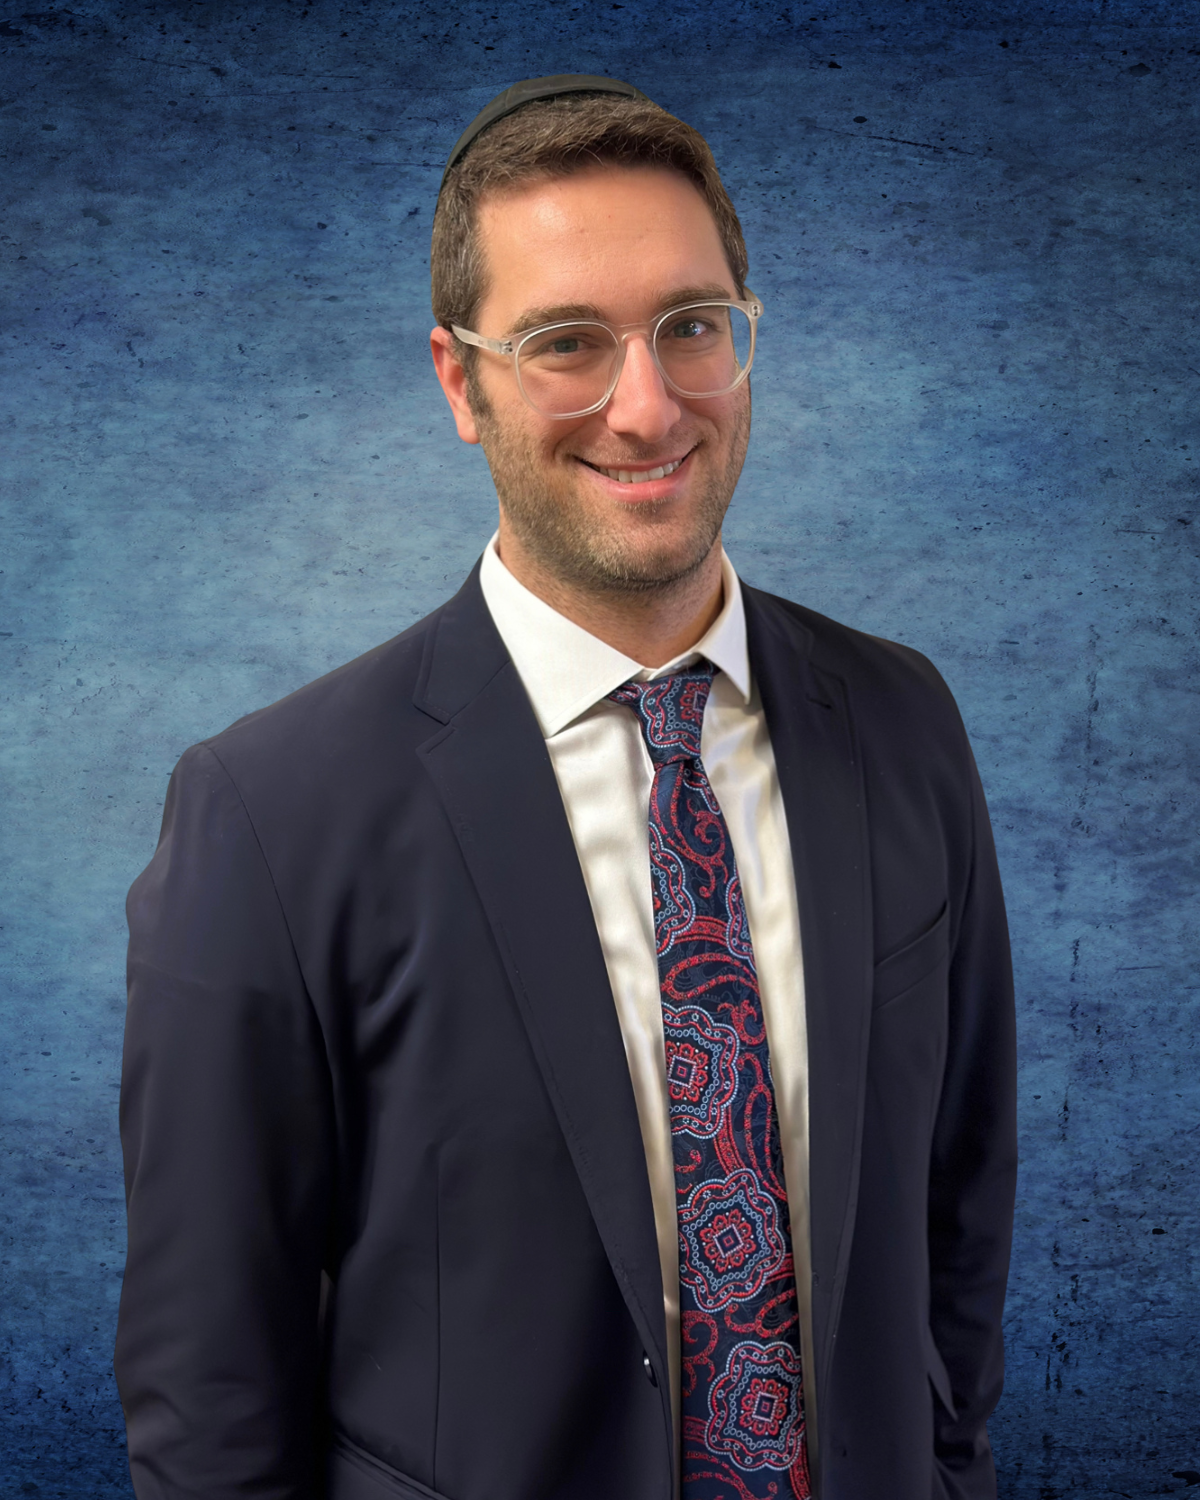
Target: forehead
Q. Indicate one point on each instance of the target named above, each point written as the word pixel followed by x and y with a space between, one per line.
pixel 610 236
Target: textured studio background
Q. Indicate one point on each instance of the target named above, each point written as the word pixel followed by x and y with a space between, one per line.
pixel 226 468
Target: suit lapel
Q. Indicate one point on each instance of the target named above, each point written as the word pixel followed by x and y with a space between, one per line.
pixel 490 767
pixel 820 774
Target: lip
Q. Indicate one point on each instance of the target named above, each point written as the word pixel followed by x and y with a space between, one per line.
pixel 647 489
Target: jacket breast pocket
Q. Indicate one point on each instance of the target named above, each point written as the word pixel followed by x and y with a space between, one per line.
pixel 355 1474
pixel 899 972
pixel 909 1027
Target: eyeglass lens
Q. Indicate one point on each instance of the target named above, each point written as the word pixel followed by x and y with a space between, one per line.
pixel 568 368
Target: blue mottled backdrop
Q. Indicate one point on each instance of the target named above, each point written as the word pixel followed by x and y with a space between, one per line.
pixel 226 468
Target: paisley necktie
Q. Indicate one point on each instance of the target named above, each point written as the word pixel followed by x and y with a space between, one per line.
pixel 742 1396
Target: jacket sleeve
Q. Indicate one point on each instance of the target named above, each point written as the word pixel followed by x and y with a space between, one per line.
pixel 226 1125
pixel 973 1171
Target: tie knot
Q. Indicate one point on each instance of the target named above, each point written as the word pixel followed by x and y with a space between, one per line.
pixel 670 711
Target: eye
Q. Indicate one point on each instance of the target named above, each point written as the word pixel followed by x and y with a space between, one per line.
pixel 565 344
pixel 688 328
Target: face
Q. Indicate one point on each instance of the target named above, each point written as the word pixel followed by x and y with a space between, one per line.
pixel 626 244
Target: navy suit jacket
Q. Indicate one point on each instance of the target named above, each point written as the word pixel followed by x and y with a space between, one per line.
pixel 390 1228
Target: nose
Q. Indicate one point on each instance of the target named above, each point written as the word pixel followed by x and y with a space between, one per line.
pixel 641 407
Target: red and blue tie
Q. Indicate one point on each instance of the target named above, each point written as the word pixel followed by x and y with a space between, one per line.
pixel 742 1395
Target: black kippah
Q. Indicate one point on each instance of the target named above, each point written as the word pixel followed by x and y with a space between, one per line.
pixel 530 89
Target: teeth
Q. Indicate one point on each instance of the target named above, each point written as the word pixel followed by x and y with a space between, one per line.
pixel 623 476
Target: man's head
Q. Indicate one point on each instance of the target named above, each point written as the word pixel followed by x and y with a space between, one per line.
pixel 601 206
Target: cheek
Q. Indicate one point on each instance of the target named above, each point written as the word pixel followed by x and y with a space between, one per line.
pixel 511 426
pixel 724 417
pixel 733 422
pixel 568 442
pixel 735 408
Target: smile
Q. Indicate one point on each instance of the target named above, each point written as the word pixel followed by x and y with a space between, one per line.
pixel 639 476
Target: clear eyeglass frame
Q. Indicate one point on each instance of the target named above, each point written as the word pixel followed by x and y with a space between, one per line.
pixel 512 344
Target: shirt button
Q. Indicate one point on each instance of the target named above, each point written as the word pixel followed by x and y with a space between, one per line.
pixel 649 1369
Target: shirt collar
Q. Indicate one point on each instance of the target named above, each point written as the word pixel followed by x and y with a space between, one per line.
pixel 566 670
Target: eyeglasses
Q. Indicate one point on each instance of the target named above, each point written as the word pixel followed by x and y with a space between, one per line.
pixel 571 369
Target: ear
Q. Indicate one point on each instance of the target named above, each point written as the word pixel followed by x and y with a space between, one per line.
pixel 453 380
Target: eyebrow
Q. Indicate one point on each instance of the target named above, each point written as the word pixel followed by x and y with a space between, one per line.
pixel 573 312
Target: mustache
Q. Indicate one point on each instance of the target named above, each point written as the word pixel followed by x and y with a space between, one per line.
pixel 642 456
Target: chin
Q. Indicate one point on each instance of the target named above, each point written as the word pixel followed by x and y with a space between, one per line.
pixel 621 568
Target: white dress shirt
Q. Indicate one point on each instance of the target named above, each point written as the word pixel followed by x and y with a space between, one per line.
pixel 604 772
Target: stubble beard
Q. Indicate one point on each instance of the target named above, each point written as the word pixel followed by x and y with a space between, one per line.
pixel 575 546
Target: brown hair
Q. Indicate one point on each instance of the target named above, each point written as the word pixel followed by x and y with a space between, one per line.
pixel 552 138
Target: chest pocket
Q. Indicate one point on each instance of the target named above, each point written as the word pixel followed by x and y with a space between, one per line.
pixel 896 974
pixel 909 1023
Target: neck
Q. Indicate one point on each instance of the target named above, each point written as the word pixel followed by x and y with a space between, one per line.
pixel 650 625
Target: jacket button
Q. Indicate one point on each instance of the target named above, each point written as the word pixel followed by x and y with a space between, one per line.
pixel 649 1369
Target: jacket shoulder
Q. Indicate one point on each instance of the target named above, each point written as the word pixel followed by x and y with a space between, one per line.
pixel 367 701
pixel 869 665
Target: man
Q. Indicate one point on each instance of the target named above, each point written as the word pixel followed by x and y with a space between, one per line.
pixel 570 1048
